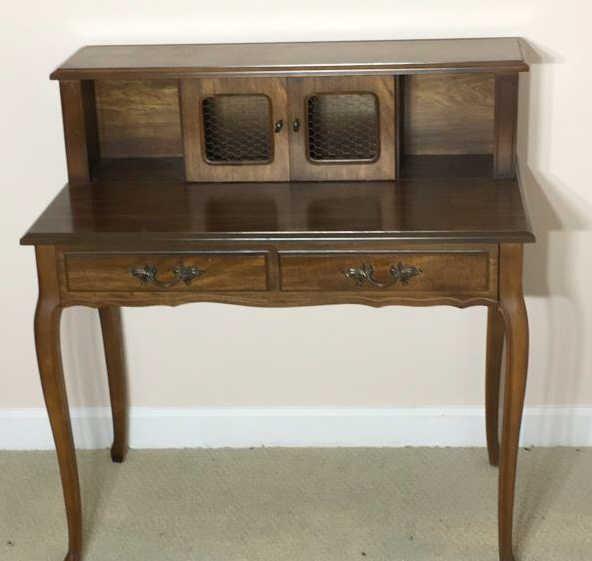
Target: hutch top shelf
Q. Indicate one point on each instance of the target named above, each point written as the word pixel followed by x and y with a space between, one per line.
pixel 404 140
pixel 503 54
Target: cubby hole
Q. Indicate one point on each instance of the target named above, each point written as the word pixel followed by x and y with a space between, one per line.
pixel 446 125
pixel 138 130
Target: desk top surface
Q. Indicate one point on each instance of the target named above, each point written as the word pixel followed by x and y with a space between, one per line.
pixel 138 210
pixel 284 59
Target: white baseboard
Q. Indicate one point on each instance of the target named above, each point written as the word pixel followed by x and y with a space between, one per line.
pixel 28 429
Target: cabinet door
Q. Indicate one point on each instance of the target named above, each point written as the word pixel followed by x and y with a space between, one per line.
pixel 234 129
pixel 342 128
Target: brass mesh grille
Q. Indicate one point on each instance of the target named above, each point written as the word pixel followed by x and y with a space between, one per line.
pixel 237 129
pixel 343 127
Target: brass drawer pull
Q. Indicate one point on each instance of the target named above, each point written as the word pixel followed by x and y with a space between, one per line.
pixel 149 275
pixel 365 274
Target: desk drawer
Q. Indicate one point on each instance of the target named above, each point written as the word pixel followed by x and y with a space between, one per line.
pixel 212 272
pixel 434 272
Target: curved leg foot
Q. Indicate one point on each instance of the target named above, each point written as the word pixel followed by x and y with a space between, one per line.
pixel 117 455
pixel 516 323
pixel 47 342
pixel 116 373
pixel 495 345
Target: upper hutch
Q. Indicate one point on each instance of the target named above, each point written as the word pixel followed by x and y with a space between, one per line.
pixel 375 172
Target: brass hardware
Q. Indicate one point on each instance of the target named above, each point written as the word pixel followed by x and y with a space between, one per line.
pixel 279 125
pixel 296 125
pixel 365 274
pixel 149 275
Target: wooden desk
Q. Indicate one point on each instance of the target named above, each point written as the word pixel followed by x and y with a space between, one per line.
pixel 415 202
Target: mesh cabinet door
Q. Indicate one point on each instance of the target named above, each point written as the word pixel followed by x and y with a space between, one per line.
pixel 342 128
pixel 234 129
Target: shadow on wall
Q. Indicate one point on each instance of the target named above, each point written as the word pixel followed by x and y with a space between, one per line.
pixel 555 211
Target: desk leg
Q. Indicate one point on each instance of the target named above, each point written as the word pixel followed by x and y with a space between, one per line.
pixel 516 323
pixel 495 347
pixel 116 372
pixel 47 342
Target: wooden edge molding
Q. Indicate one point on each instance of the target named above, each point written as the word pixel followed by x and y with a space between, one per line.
pixel 282 72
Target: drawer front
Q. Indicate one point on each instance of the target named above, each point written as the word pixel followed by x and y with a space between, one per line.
pixel 211 272
pixel 418 272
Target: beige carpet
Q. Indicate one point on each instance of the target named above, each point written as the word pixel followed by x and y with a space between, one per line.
pixel 298 505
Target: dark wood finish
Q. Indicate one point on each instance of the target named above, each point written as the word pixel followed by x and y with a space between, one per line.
pixel 288 59
pixel 139 170
pixel 449 114
pixel 303 169
pixel 448 231
pixel 112 272
pixel 459 210
pixel 493 365
pixel 91 125
pixel 75 96
pixel 110 317
pixel 196 166
pixel 513 310
pixel 441 167
pixel 506 114
pixel 400 85
pixel 308 254
pixel 138 118
pixel 47 342
pixel 468 270
pixel 276 295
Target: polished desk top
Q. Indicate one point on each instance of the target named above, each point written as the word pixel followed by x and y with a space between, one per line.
pixel 145 207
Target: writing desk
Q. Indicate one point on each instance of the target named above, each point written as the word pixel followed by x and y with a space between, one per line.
pixel 375 173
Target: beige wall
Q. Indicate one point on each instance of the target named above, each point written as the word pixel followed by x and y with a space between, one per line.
pixel 339 355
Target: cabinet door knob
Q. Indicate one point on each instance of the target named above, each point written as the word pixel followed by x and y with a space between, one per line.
pixel 279 125
pixel 296 125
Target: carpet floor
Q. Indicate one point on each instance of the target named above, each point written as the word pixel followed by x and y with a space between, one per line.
pixel 290 504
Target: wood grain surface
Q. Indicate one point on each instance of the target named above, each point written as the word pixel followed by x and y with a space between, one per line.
pixel 303 169
pixel 112 272
pixel 449 114
pixel 138 118
pixel 473 272
pixel 196 165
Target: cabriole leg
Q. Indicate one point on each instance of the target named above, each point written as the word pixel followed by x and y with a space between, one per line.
pixel 516 324
pixel 47 341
